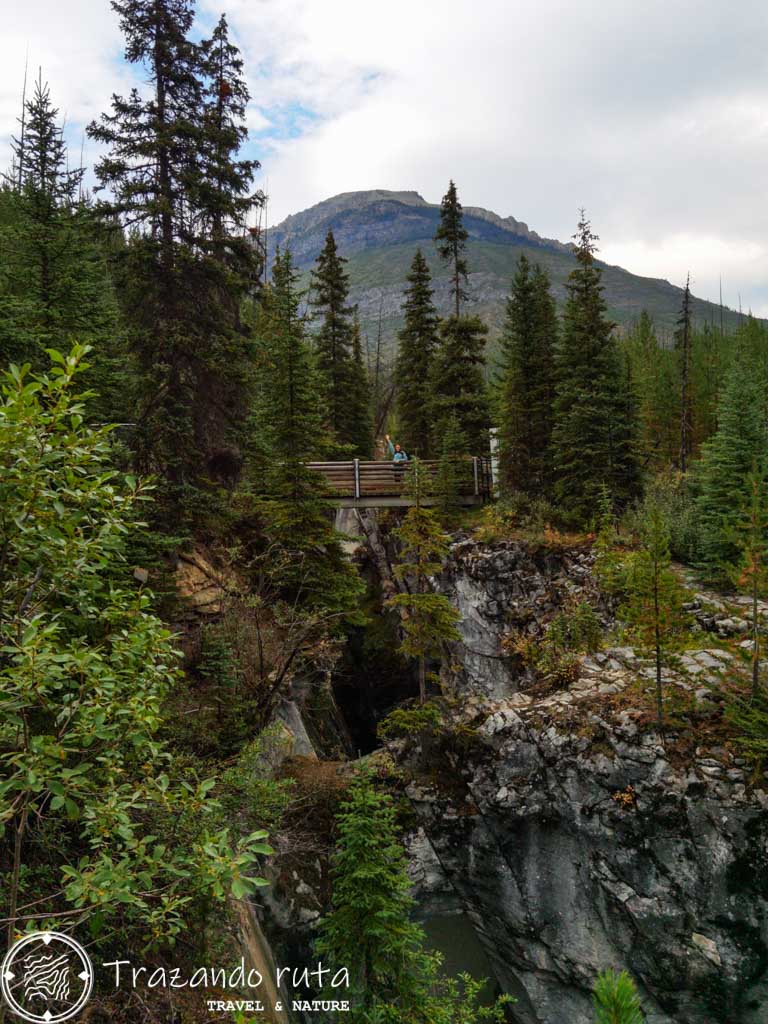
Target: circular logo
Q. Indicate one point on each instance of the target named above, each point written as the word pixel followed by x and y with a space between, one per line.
pixel 46 977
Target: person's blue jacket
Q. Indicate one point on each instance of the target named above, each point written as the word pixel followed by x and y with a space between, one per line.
pixel 396 456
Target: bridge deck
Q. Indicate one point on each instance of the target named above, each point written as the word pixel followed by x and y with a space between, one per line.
pixel 358 484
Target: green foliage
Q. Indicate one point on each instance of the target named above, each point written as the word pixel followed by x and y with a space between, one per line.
pixel 175 185
pixel 514 516
pixel 615 999
pixel 394 980
pixel 428 619
pixel 750 573
pixel 346 409
pixel 457 387
pixel 54 287
pixel 305 562
pixel 454 471
pixel 410 721
pixel 594 434
pixel 749 717
pixel 683 344
pixel 451 241
pixel 251 797
pixel 571 632
pixel 76 637
pixel 737 447
pixel 653 607
pixel 525 384
pixel 417 343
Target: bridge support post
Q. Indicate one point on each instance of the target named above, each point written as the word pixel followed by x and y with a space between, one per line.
pixel 476 471
pixel 357 478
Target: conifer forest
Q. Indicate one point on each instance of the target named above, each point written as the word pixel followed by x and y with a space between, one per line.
pixel 345 623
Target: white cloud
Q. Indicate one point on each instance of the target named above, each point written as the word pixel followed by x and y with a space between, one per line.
pixel 654 117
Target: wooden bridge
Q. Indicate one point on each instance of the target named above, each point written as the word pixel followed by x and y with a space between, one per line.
pixel 358 484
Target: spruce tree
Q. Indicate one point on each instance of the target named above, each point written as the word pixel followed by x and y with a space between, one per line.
pixel 738 445
pixel 54 287
pixel 654 373
pixel 225 196
pixel 394 978
pixel 306 561
pixel 429 620
pixel 525 386
pixel 334 339
pixel 683 336
pixel 750 573
pixel 174 182
pixel 615 999
pixel 457 385
pixel 417 342
pixel 594 433
pixel 451 240
pixel 453 471
pixel 653 607
pixel 359 398
pixel 369 930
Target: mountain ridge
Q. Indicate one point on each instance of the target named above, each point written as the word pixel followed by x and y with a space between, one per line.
pixel 378 231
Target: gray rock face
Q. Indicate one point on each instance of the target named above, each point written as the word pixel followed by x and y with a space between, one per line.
pixel 499 589
pixel 570 837
pixel 569 860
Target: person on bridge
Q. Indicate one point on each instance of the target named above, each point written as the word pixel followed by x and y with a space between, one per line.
pixel 397 453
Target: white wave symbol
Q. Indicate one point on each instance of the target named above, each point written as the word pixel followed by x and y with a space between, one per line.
pixel 46 977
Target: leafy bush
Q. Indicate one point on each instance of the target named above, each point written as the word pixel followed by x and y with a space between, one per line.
pixel 410 721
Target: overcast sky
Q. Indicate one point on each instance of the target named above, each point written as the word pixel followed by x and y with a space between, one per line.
pixel 653 116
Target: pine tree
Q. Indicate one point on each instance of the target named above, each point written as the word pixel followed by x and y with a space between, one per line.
pixel 525 386
pixel 594 433
pixel 225 196
pixel 453 471
pixel 394 979
pixel 654 595
pixel 359 398
pixel 654 373
pixel 428 619
pixel 616 1000
pixel 174 182
pixel 456 385
pixel 750 573
pixel 737 446
pixel 683 336
pixel 451 240
pixel 369 929
pixel 334 339
pixel 55 286
pixel 306 563
pixel 417 344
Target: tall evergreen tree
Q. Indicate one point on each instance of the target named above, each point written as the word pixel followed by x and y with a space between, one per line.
pixel 750 573
pixel 174 182
pixel 457 385
pixel 394 978
pixel 360 400
pixel 594 433
pixel 225 184
pixel 454 469
pixel 525 387
pixel 429 620
pixel 54 286
pixel 737 447
pixel 451 240
pixel 416 348
pixel 654 595
pixel 334 340
pixel 306 563
pixel 683 338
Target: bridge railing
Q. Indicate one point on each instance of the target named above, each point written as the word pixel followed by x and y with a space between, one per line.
pixel 359 479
